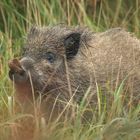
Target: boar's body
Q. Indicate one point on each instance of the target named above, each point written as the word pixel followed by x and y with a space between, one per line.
pixel 64 62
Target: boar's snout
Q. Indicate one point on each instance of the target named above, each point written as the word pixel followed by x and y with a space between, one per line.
pixel 19 69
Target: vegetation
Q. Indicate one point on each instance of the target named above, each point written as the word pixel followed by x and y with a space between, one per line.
pixel 16 18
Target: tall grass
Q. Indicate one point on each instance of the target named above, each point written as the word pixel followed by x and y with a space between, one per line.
pixel 16 18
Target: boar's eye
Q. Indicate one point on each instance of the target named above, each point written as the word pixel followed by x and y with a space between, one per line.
pixel 50 57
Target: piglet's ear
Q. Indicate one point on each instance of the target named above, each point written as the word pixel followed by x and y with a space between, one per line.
pixel 71 44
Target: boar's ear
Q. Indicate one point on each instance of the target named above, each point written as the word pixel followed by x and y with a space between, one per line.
pixel 71 44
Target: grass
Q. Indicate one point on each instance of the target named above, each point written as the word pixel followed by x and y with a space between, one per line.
pixel 16 18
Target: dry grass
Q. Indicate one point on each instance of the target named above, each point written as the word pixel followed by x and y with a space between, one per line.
pixel 16 17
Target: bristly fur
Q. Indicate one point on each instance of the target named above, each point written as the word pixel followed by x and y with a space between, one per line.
pixel 103 60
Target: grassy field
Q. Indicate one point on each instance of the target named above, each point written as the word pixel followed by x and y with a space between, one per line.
pixel 16 18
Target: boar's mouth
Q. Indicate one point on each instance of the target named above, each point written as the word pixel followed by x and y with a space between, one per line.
pixel 20 76
pixel 17 73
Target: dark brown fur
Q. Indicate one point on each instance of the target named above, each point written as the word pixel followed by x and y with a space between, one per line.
pixel 104 61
